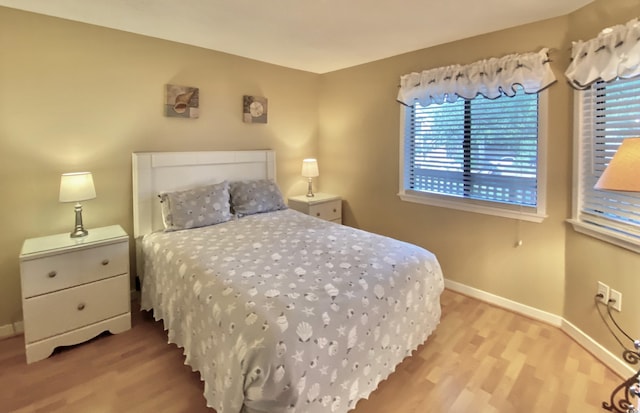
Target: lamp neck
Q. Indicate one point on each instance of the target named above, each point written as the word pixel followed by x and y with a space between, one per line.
pixel 310 188
pixel 78 230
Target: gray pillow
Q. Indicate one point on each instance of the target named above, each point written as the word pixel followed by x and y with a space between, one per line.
pixel 255 196
pixel 196 207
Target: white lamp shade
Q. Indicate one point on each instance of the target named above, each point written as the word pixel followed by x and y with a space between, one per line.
pixel 76 186
pixel 623 172
pixel 310 168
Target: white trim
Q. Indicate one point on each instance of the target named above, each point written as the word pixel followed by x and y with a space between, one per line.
pixel 577 155
pixel 543 149
pixel 603 233
pixel 609 359
pixel 470 205
pixel 487 207
pixel 403 126
pixel 10 330
pixel 6 331
pixel 18 327
pixel 605 356
pixel 607 235
pixel 505 303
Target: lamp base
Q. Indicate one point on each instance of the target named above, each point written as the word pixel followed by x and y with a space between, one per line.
pixel 310 189
pixel 78 231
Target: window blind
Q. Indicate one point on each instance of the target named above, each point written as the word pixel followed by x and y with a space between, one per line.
pixel 610 113
pixel 481 149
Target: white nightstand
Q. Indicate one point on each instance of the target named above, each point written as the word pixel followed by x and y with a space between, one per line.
pixel 324 206
pixel 74 288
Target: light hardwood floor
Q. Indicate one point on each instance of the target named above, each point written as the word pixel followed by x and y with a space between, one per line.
pixel 480 359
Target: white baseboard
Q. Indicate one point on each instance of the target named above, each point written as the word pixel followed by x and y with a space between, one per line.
pixel 514 306
pixel 610 360
pixel 6 331
pixel 10 330
pixel 18 327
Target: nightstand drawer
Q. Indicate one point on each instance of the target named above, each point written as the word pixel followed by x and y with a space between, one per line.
pixel 56 272
pixel 328 210
pixel 65 310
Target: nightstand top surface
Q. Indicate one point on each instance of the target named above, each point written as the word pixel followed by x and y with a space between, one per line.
pixel 37 247
pixel 317 198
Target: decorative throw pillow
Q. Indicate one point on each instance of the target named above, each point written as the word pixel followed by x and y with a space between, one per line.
pixel 196 207
pixel 255 196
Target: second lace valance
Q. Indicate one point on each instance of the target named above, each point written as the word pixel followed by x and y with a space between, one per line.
pixel 614 53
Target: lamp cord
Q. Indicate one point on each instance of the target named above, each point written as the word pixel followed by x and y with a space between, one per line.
pixel 604 319
pixel 616 324
pixel 630 356
pixel 628 389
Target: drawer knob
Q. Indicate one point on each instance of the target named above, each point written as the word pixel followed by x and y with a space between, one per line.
pixel 105 262
pixel 317 214
pixel 81 306
pixel 52 274
pixel 335 210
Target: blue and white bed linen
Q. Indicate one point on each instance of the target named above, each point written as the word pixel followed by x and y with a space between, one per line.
pixel 282 312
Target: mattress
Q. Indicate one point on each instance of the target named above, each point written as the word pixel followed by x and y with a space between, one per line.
pixel 283 312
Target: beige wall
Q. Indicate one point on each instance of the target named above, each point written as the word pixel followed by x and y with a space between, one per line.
pixel 359 151
pixel 79 97
pixel 76 97
pixel 359 132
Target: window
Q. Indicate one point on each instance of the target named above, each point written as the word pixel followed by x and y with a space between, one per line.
pixel 481 155
pixel 608 112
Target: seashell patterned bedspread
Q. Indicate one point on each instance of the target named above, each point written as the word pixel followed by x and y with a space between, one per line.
pixel 283 312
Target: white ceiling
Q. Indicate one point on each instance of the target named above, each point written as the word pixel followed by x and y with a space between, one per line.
pixel 314 35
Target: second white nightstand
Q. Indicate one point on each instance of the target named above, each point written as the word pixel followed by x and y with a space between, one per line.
pixel 324 206
pixel 74 288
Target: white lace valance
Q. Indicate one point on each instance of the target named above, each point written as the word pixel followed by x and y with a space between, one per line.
pixel 614 53
pixel 491 78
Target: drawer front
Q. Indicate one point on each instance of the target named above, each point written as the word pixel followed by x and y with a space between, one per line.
pixel 44 275
pixel 328 210
pixel 51 314
pixel 299 206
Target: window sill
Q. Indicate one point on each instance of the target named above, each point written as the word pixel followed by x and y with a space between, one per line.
pixel 473 206
pixel 607 235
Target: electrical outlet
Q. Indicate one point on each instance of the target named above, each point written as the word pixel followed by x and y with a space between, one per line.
pixel 603 290
pixel 616 300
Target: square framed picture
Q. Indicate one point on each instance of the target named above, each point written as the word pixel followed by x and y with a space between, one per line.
pixel 182 101
pixel 254 109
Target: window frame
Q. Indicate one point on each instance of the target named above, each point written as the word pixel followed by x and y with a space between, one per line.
pixel 580 225
pixel 531 214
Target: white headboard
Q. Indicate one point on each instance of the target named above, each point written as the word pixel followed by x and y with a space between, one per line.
pixel 156 172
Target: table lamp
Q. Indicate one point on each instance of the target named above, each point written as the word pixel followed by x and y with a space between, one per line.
pixel 623 174
pixel 310 170
pixel 76 187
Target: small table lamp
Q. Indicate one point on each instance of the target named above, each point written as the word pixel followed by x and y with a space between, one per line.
pixel 310 170
pixel 76 187
pixel 623 174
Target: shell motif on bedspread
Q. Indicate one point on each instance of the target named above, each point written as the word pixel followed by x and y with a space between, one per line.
pixel 282 312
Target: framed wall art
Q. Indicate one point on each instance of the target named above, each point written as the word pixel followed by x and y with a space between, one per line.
pixel 254 109
pixel 182 101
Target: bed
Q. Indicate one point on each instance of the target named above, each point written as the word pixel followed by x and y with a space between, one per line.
pixel 278 311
